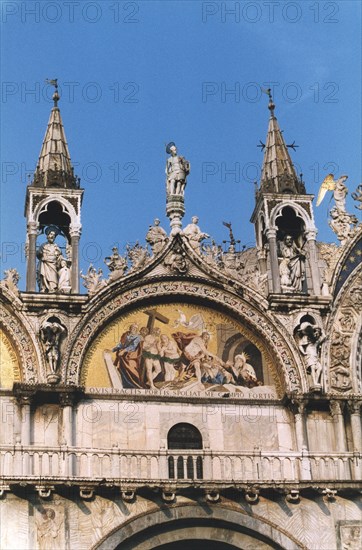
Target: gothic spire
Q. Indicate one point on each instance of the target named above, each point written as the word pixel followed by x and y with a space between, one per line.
pixel 54 167
pixel 278 172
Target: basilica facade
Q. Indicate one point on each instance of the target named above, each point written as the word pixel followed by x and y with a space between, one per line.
pixel 197 395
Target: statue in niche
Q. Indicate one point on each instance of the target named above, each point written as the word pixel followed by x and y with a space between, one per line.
pixel 156 237
pixel 311 338
pixel 194 233
pixel 291 266
pixel 177 170
pixel 53 274
pixel 51 334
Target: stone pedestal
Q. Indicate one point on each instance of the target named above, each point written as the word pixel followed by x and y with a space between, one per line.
pixel 175 210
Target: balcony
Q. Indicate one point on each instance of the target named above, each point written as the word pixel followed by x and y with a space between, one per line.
pixel 83 465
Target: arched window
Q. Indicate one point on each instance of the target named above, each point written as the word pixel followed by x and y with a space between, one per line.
pixel 184 436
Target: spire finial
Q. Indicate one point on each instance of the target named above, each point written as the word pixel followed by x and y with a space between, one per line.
pixel 271 104
pixel 54 82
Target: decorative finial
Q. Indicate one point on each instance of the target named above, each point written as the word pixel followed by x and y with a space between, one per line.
pixel 54 82
pixel 271 105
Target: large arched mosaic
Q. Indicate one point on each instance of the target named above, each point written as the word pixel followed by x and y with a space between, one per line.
pixel 184 311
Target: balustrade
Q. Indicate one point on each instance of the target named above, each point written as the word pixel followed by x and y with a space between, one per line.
pixel 75 463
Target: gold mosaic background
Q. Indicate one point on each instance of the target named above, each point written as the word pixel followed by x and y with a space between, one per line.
pixel 9 364
pixel 94 372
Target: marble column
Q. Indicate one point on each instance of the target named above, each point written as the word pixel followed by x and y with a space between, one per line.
pixel 298 408
pixel 336 408
pixel 32 231
pixel 75 231
pixel 354 409
pixel 24 402
pixel 66 403
pixel 313 261
pixel 274 264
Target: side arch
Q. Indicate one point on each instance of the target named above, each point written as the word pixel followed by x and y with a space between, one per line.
pixel 27 353
pixel 195 522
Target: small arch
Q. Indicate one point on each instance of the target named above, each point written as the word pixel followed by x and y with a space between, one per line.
pixel 55 213
pixel 184 436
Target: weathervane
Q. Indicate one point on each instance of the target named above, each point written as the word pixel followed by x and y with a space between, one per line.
pixel 54 82
pixel 232 241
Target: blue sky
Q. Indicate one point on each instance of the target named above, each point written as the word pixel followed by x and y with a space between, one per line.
pixel 135 75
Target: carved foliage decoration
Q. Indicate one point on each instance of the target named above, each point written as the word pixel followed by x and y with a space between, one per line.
pixel 345 332
pixel 24 345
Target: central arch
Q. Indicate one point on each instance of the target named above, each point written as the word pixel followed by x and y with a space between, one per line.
pixel 180 526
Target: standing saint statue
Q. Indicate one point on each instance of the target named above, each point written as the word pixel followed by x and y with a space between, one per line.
pixel 156 237
pixel 52 267
pixel 177 170
pixel 311 339
pixel 51 334
pixel 292 265
pixel 194 233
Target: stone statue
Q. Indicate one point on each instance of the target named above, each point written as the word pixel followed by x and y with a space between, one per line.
pixel 194 233
pixel 48 526
pixel 64 283
pixel 341 223
pixel 116 264
pixel 52 265
pixel 11 280
pixel 177 170
pixel 292 265
pixel 156 237
pixel 311 339
pixel 51 334
pixel 138 255
pixel 340 191
pixel 212 253
pixel 357 196
pixel 93 280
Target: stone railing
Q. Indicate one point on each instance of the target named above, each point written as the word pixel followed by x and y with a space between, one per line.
pixel 74 463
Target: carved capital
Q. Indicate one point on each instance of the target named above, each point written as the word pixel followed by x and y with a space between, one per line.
pixel 25 398
pixel 66 399
pixel 271 233
pixel 32 228
pixel 75 230
pixel 297 406
pixel 354 407
pixel 336 407
pixel 311 234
